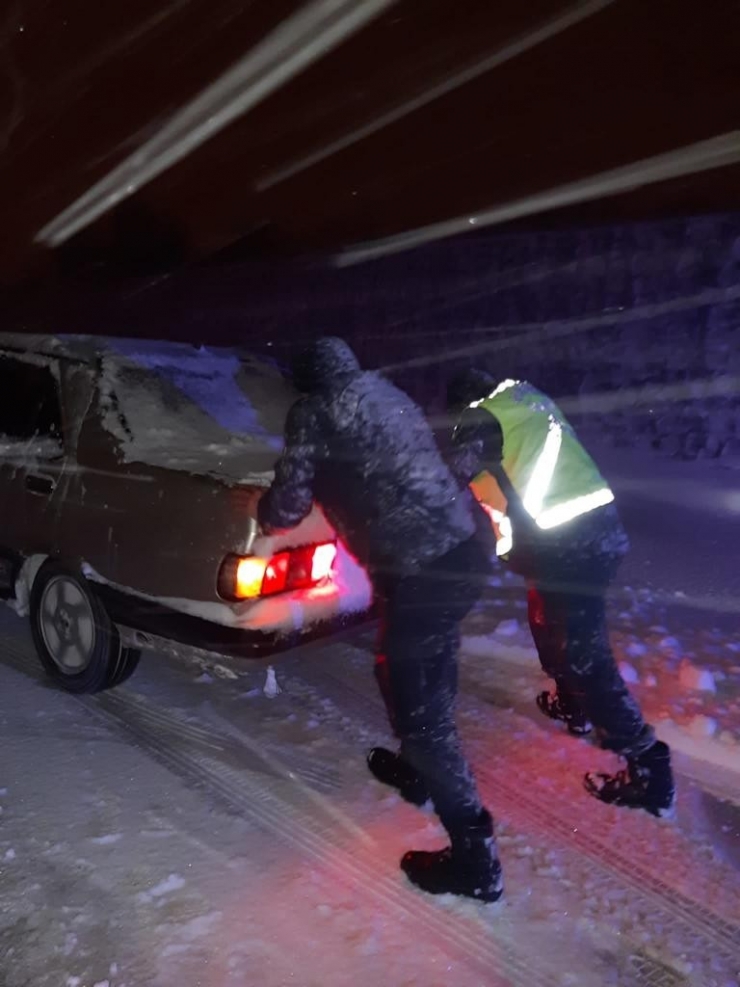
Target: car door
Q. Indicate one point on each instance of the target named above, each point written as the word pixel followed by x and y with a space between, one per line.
pixel 32 452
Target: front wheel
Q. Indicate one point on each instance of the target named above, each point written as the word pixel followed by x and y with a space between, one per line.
pixel 76 641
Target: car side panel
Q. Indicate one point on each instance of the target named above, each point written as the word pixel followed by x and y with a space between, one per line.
pixel 156 531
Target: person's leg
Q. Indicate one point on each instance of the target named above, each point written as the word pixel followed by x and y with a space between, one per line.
pixel 388 767
pixel 578 568
pixel 432 603
pixel 547 623
pixel 420 670
pixel 547 636
pixel 431 745
pixel 593 679
pixel 595 682
pixel 381 662
pixel 421 642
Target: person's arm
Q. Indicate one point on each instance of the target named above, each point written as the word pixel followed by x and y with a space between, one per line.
pixel 290 498
pixel 477 444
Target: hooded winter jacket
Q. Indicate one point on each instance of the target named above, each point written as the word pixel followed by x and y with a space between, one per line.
pixel 363 450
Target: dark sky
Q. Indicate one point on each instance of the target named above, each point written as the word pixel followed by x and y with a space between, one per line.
pixel 84 84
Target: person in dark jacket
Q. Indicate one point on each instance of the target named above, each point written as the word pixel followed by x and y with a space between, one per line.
pixel 363 451
pixel 558 527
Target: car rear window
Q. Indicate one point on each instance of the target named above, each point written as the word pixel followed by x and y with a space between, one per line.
pixel 30 411
pixel 200 410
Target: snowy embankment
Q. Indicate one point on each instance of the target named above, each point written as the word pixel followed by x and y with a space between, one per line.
pixel 688 683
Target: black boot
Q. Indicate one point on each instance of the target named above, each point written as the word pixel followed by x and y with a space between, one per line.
pixel 468 867
pixel 646 783
pixel 391 769
pixel 558 707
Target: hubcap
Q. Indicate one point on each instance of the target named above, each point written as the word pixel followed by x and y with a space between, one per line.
pixel 67 625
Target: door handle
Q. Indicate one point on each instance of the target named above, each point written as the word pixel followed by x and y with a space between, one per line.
pixel 42 485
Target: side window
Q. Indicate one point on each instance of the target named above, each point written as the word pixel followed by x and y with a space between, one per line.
pixel 29 401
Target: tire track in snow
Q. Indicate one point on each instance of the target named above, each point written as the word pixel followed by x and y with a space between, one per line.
pixel 157 732
pixel 523 810
pixel 219 741
pixel 173 722
pixel 302 830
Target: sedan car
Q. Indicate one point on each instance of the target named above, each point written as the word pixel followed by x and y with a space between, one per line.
pixel 130 474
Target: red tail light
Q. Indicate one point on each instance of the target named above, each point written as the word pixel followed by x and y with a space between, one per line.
pixel 275 579
pixel 250 577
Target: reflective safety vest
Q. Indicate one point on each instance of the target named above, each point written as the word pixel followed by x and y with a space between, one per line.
pixel 546 464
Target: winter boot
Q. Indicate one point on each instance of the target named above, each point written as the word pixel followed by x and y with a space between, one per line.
pixel 646 783
pixel 557 707
pixel 391 769
pixel 468 867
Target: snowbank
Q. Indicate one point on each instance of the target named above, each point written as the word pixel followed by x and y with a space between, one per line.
pixel 693 678
pixel 696 741
pixel 488 646
pixel 694 706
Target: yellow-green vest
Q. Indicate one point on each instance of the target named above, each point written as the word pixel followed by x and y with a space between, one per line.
pixel 546 464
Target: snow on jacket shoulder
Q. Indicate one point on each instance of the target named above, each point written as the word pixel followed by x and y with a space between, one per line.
pixel 363 450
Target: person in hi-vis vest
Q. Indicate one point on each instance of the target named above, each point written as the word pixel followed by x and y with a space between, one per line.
pixel 557 526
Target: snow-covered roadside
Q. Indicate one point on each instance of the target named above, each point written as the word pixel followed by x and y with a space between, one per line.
pixel 682 518
pixel 689 687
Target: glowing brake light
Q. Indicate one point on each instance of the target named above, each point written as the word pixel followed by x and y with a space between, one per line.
pixel 249 577
pixel 323 562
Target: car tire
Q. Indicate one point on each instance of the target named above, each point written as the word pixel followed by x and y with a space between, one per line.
pixel 76 641
pixel 127 665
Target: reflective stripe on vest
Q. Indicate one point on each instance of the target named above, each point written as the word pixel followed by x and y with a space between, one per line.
pixel 539 483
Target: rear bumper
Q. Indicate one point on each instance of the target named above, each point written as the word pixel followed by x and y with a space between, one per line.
pixel 150 625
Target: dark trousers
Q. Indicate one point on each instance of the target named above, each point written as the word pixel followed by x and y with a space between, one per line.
pixel 567 590
pixel 416 669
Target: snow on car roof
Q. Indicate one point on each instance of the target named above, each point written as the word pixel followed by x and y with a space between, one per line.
pixel 197 409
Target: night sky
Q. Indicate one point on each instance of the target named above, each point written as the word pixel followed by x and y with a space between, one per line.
pixel 427 112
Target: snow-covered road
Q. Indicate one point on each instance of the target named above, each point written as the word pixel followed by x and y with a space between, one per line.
pixel 684 523
pixel 187 831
